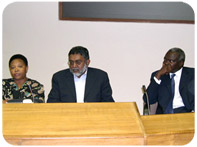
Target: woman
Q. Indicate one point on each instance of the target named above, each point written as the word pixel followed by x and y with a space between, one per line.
pixel 19 87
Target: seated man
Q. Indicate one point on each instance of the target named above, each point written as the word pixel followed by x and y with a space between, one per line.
pixel 80 83
pixel 173 85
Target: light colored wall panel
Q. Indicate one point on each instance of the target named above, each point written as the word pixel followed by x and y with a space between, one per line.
pixel 128 51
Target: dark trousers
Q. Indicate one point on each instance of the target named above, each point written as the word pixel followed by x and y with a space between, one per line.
pixel 181 110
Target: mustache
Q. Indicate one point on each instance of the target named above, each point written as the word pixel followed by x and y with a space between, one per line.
pixel 75 69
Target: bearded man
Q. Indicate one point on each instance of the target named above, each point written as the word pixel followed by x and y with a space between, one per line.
pixel 80 83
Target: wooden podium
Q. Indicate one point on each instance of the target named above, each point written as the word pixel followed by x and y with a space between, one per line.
pixel 171 129
pixel 92 124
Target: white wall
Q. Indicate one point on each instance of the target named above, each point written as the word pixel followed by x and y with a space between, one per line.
pixel 128 51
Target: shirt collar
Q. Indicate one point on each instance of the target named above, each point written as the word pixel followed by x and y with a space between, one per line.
pixel 177 73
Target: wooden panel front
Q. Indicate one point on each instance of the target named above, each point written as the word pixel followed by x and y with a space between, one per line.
pixel 73 124
pixel 171 129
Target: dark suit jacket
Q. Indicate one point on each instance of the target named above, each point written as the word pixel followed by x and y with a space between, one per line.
pixel 97 87
pixel 162 93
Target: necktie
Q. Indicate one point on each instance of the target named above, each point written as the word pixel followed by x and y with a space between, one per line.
pixel 169 108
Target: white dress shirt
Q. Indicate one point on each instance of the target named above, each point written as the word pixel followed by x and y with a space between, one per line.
pixel 80 87
pixel 177 101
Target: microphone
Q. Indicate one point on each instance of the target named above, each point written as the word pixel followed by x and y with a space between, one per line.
pixel 18 97
pixel 31 92
pixel 146 109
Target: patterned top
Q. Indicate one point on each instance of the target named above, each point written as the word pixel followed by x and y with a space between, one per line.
pixel 31 89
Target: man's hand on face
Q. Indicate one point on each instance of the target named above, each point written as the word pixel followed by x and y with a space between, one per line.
pixel 165 69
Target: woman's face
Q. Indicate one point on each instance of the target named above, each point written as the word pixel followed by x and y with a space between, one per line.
pixel 18 69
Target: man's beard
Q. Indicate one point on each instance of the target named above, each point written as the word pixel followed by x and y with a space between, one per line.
pixel 79 72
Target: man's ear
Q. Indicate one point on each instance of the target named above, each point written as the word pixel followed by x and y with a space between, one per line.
pixel 88 62
pixel 181 63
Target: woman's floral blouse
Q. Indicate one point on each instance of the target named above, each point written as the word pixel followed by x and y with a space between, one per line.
pixel 31 89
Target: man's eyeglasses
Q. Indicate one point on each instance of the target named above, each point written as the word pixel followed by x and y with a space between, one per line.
pixel 78 62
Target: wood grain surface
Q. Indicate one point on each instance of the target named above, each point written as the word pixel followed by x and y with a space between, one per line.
pixel 93 124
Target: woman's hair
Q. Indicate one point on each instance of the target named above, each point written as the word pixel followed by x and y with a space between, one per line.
pixel 19 56
pixel 80 50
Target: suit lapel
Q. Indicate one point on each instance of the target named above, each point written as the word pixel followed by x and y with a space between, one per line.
pixel 167 82
pixel 89 83
pixel 71 85
pixel 183 79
